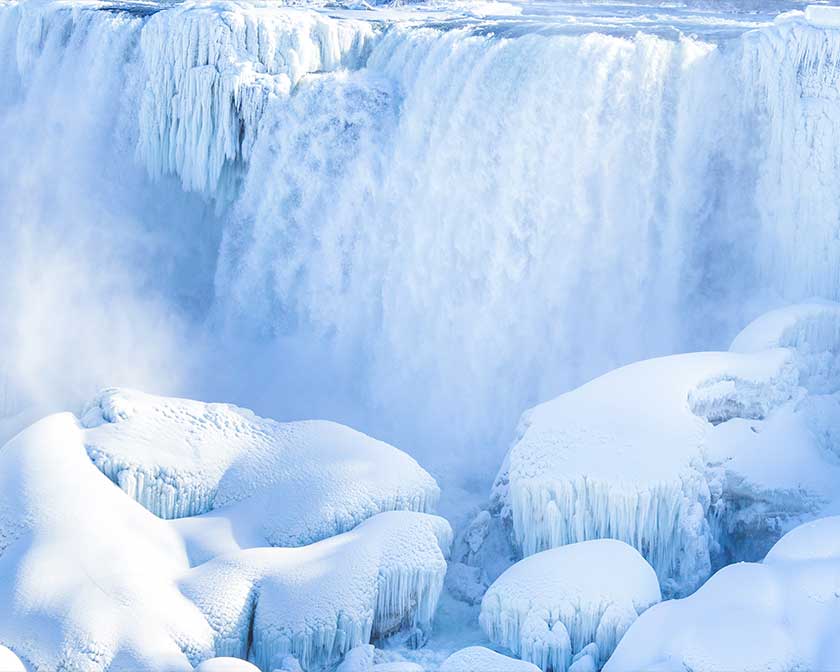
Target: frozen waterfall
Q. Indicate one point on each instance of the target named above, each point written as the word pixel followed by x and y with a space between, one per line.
pixel 419 227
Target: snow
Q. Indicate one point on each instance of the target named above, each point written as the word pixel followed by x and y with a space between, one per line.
pixel 226 664
pixel 696 460
pixel 823 16
pixel 480 658
pixel 180 457
pixel 576 600
pixel 9 662
pixel 132 599
pixel 777 615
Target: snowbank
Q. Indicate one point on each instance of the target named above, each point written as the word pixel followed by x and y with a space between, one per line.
pixel 823 16
pixel 696 460
pixel 226 664
pixel 180 457
pixel 475 658
pixel 774 616
pixel 577 599
pixel 78 598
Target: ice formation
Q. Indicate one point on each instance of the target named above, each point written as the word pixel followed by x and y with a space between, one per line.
pixel 179 457
pixel 570 602
pixel 480 658
pixel 777 615
pixel 696 460
pixel 133 599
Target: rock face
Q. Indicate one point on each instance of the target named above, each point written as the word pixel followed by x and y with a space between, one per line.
pixel 561 605
pixel 777 615
pixel 696 460
pixel 94 581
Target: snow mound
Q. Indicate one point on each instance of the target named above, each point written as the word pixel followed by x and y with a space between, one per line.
pixel 577 599
pixel 823 16
pixel 91 580
pixel 812 330
pixel 9 662
pixel 773 616
pixel 179 457
pixel 226 664
pixel 475 658
pixel 621 457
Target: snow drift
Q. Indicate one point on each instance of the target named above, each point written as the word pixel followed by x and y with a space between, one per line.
pixel 780 614
pixel 479 658
pixel 135 598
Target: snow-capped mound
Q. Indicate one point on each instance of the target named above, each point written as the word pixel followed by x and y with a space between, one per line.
pixel 475 658
pixel 775 616
pixel 620 457
pixel 577 599
pixel 9 662
pixel 180 457
pixel 89 579
pixel 812 330
pixel 226 664
pixel 317 602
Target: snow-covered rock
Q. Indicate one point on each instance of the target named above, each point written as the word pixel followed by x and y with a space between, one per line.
pixel 226 664
pixel 576 600
pixel 180 457
pixel 774 616
pixel 475 658
pixel 9 662
pixel 696 460
pixel 91 580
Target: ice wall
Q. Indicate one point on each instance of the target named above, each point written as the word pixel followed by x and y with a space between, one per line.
pixel 417 230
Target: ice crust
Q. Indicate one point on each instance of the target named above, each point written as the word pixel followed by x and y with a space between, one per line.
pixel 179 458
pixel 568 603
pixel 132 599
pixel 475 658
pixel 775 616
pixel 696 460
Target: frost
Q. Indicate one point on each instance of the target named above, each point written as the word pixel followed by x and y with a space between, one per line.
pixel 577 600
pixel 179 458
pixel 777 615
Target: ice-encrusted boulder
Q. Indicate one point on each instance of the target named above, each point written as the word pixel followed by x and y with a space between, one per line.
pixel 696 460
pixel 576 600
pixel 775 616
pixel 91 580
pixel 475 658
pixel 180 458
pixel 226 664
pixel 9 662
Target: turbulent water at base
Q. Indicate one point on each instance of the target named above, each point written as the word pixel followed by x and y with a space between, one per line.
pixel 417 223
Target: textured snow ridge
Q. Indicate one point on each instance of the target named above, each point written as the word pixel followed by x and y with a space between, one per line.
pixel 316 603
pixel 812 330
pixel 135 599
pixel 475 658
pixel 773 616
pixel 568 603
pixel 180 457
pixel 210 71
pixel 620 457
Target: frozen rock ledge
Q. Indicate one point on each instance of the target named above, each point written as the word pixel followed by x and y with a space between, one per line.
pixel 569 603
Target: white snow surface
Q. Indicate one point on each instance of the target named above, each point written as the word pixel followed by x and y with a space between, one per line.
pixel 569 602
pixel 696 460
pixel 9 662
pixel 774 616
pixel 94 581
pixel 226 664
pixel 475 658
pixel 180 458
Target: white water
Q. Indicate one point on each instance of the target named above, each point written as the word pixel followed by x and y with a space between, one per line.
pixel 418 230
